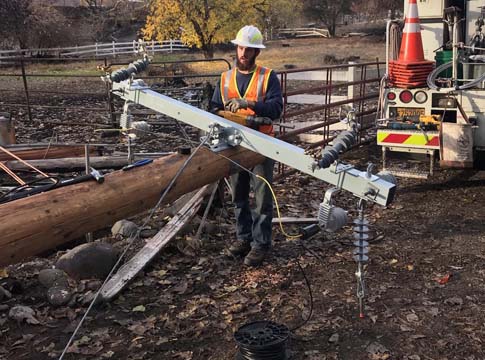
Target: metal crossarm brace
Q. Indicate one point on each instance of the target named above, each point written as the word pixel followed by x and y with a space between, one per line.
pixel 343 176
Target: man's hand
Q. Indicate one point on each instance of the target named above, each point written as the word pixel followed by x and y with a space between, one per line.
pixel 234 105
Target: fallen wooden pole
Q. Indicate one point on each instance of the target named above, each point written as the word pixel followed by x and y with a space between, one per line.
pixel 41 222
pixel 132 267
pixel 51 152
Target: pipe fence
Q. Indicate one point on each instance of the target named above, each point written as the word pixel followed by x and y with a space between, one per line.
pixel 313 98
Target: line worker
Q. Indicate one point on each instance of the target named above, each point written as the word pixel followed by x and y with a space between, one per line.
pixel 250 89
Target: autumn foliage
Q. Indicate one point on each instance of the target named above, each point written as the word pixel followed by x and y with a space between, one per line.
pixel 202 23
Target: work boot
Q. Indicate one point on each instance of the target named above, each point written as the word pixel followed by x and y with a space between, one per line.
pixel 239 248
pixel 255 257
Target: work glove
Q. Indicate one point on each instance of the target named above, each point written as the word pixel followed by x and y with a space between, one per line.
pixel 254 122
pixel 235 104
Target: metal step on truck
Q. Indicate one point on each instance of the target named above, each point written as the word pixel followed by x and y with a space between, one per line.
pixel 435 107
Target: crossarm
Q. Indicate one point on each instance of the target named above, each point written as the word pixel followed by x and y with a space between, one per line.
pixel 360 183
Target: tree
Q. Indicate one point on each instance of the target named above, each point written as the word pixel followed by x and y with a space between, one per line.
pixel 326 11
pixel 31 24
pixel 202 23
pixel 104 18
pixel 281 14
pixel 377 8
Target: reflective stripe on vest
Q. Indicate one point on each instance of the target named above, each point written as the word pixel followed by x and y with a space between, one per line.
pixel 256 91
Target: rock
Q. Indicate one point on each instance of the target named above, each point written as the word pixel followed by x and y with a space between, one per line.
pixel 148 233
pixel 53 277
pixel 454 301
pixel 4 307
pixel 124 228
pixel 4 294
pixel 58 295
pixel 334 338
pixel 86 298
pixel 412 317
pixel 376 348
pixel 20 313
pixel 14 286
pixel 87 261
pixel 94 285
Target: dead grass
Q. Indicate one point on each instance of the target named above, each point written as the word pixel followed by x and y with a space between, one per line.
pixel 300 53
pixel 279 55
pixel 307 53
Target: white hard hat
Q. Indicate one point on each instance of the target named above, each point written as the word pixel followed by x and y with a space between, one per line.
pixel 249 36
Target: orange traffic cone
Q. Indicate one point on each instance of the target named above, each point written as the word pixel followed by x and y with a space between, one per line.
pixel 411 69
pixel 411 44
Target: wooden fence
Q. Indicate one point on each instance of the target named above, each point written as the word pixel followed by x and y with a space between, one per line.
pixel 303 32
pixel 97 50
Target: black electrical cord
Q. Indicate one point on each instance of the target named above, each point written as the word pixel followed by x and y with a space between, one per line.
pixel 26 189
pixel 293 329
pixel 298 263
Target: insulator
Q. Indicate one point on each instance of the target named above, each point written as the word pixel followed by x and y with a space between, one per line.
pixel 341 143
pixel 361 235
pixel 133 68
pixel 125 120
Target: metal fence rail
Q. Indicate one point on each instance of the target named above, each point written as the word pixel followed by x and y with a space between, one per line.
pixel 313 97
pixel 98 49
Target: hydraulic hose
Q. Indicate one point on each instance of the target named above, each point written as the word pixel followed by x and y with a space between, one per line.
pixel 431 80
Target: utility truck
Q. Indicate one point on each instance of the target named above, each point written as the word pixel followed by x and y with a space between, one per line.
pixel 444 116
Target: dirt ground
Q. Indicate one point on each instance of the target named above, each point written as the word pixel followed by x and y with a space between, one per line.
pixel 424 278
pixel 424 281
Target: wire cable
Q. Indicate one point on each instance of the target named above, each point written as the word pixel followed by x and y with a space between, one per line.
pixel 288 236
pixel 310 292
pixel 131 241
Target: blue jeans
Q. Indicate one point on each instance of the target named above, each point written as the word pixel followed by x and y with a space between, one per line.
pixel 254 225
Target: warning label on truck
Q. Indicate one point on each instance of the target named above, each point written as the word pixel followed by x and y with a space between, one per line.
pixel 412 139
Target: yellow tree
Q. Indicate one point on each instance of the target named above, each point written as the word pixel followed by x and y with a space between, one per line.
pixel 202 23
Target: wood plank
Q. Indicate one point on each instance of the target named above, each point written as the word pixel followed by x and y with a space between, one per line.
pixel 130 269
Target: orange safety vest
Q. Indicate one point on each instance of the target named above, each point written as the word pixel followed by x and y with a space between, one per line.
pixel 256 91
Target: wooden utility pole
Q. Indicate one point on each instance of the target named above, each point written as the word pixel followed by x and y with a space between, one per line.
pixel 41 222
